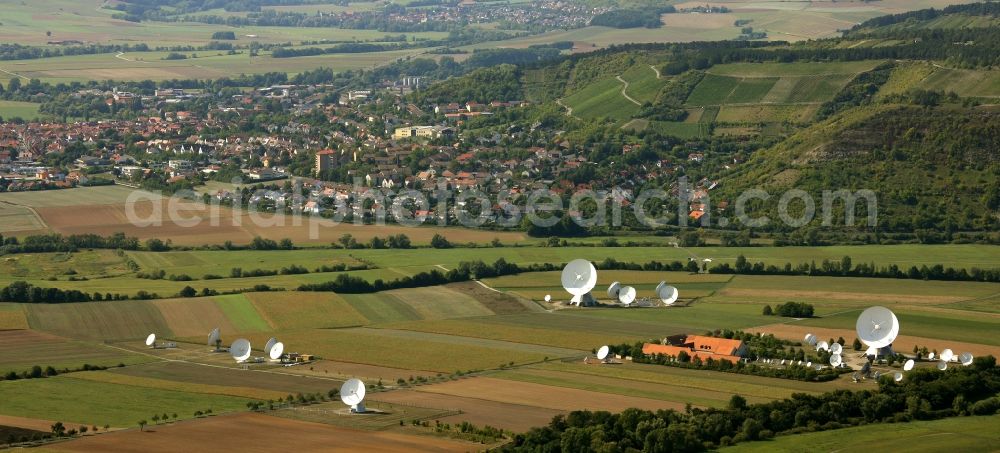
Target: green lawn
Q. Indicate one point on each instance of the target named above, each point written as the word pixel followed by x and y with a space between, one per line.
pixel 601 99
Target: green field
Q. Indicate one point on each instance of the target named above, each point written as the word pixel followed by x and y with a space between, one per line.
pixel 16 109
pixel 601 99
pixel 643 84
pixel 98 403
pixel 952 434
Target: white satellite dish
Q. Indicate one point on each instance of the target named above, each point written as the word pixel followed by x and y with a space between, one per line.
pixel 877 327
pixel 966 358
pixel 942 365
pixel 240 350
pixel 930 356
pixel 214 336
pixel 782 361
pixel 836 360
pixel 908 365
pixel 947 355
pixel 603 352
pixel 836 348
pixel 667 294
pixel 800 363
pixel 548 298
pixel 626 295
pixel 352 393
pixel 151 339
pixel 275 352
pixel 270 343
pixel 578 278
pixel 809 364
pixel 823 346
pixel 811 339
pixel 613 289
pixel 658 286
pixel 898 376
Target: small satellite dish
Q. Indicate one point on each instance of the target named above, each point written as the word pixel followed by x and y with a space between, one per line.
pixel 240 350
pixel 942 365
pixel 270 343
pixel 800 362
pixel 275 352
pixel 811 339
pixel 214 336
pixel 667 294
pixel 836 348
pixel 809 364
pixel 352 393
pixel 658 286
pixel 836 360
pixel 877 327
pixel 578 278
pixel 947 355
pixel 823 346
pixel 548 298
pixel 603 352
pixel 930 356
pixel 965 358
pixel 151 339
pixel 898 376
pixel 626 295
pixel 908 365
pixel 782 361
pixel 613 289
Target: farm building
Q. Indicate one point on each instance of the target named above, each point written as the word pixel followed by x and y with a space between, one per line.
pixel 698 346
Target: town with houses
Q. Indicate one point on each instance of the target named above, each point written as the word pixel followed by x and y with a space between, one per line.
pixel 368 138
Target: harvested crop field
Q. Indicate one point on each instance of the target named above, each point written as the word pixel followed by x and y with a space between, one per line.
pixel 101 219
pixel 903 343
pixel 514 417
pixel 22 349
pixel 249 432
pixel 544 396
pixel 277 380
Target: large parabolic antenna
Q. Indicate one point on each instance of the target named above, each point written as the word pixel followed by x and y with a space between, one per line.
pixel 836 360
pixel 603 352
pixel 240 350
pixel 811 339
pixel 836 348
pixel 270 343
pixel 877 327
pixel 908 365
pixel 667 294
pixel 214 336
pixel 965 358
pixel 942 365
pixel 578 278
pixel 823 346
pixel 626 295
pixel 898 376
pixel 276 351
pixel 352 393
pixel 151 339
pixel 613 289
pixel 947 355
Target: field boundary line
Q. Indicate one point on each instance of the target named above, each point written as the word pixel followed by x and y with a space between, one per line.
pixel 33 212
pixel 14 74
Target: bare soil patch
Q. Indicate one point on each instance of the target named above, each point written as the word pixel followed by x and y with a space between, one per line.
pixel 249 432
pixel 514 417
pixel 543 396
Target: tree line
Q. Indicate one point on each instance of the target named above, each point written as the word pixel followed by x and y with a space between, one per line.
pixel 466 270
pixel 925 394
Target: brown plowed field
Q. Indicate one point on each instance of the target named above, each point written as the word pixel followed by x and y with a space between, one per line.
pixel 249 432
pixel 513 417
pixel 544 396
